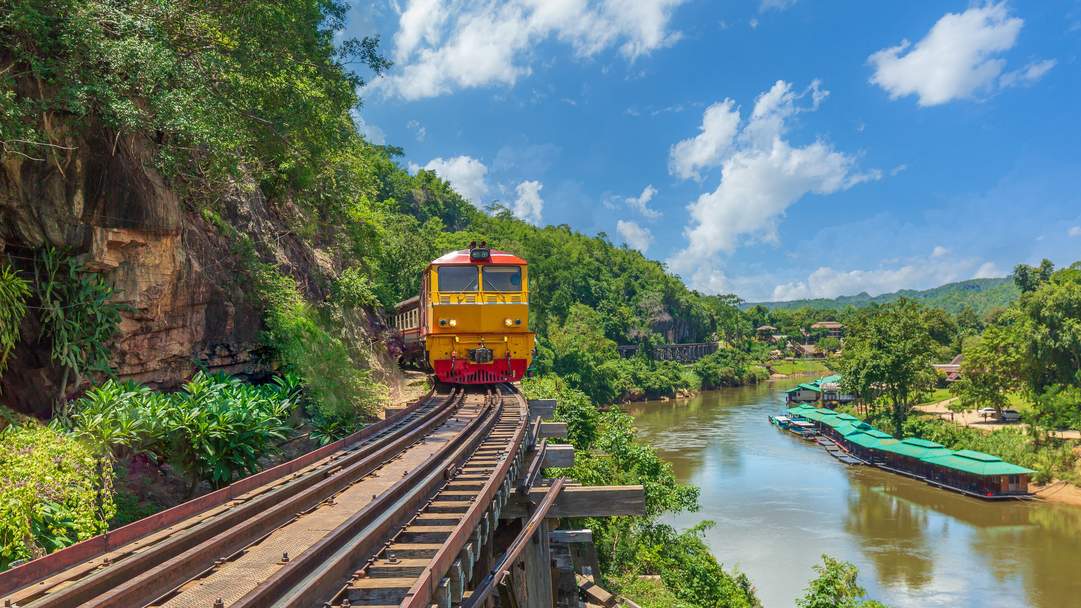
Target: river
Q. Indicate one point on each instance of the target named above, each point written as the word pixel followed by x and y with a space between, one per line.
pixel 780 502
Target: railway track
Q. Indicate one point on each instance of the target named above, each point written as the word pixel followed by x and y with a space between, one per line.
pixel 409 495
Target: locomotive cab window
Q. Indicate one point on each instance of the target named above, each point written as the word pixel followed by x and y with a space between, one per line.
pixel 458 278
pixel 502 278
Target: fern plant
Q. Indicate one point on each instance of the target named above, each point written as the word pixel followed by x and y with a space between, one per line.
pixel 77 316
pixel 13 294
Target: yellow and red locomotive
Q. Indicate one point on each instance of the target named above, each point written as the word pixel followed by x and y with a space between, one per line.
pixel 470 323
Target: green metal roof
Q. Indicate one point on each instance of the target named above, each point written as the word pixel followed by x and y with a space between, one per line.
pixel 847 428
pixel 835 421
pixel 976 463
pixel 829 379
pixel 848 417
pixel 917 448
pixel 873 432
pixel 825 411
pixel 801 411
pixel 870 439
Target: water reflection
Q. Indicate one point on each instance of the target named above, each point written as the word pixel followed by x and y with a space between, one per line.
pixel 780 502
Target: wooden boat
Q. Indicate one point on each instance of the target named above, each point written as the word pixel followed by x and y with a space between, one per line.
pixel 803 429
pixel 780 421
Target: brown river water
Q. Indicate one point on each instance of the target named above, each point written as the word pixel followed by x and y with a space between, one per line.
pixel 780 502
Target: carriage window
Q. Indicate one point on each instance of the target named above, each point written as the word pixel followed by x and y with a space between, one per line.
pixel 458 278
pixel 502 278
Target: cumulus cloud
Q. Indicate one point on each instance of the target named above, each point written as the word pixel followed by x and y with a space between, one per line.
pixel 720 123
pixel 923 273
pixel 987 270
pixel 1074 231
pixel 371 133
pixel 528 205
pixel 444 45
pixel 762 174
pixel 633 235
pixel 959 58
pixel 467 175
pixel 939 251
pixel 639 203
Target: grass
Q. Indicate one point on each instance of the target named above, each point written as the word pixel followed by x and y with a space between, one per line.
pixel 799 366
pixel 936 395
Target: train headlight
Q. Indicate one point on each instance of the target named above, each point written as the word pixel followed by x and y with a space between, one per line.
pixel 508 322
pixel 452 323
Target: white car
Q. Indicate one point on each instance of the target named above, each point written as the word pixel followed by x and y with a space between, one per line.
pixel 1010 415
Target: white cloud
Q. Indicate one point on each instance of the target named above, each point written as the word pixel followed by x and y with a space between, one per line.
pixel 371 133
pixel 1028 74
pixel 641 202
pixel 779 5
pixel 762 174
pixel 466 175
pixel 444 45
pixel 959 58
pixel 720 123
pixel 529 205
pixel 634 236
pixel 1074 231
pixel 939 251
pixel 421 132
pixel 922 273
pixel 987 270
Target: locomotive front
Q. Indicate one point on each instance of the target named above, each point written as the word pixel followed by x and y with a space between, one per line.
pixel 475 305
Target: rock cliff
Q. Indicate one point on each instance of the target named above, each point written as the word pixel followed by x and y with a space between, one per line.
pixel 101 198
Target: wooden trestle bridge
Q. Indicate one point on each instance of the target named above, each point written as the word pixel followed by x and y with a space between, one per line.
pixel 684 353
pixel 441 504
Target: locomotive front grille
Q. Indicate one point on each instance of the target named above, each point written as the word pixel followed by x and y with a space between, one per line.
pixel 481 355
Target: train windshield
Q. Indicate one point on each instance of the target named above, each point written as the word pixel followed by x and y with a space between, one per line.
pixel 502 278
pixel 458 278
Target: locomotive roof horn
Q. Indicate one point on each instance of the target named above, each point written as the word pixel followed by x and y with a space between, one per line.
pixel 472 244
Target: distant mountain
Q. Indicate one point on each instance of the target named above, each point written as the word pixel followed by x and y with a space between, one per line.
pixel 983 295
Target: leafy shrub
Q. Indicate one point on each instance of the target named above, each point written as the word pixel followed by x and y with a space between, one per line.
pixel 354 290
pixel 76 315
pixel 49 492
pixel 334 383
pixel 13 293
pixel 214 430
pixel 835 587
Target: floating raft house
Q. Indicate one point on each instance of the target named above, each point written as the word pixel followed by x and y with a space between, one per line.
pixel 966 471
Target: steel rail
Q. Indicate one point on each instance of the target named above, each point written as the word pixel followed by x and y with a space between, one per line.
pixel 425 588
pixel 322 569
pixel 535 467
pixel 79 554
pixel 144 576
pixel 501 570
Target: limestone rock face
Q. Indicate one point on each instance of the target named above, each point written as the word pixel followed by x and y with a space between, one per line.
pixel 102 199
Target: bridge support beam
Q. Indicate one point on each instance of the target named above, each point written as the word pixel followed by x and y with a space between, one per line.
pixel 537 559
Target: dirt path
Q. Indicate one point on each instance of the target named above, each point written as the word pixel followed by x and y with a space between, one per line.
pixel 976 421
pixel 1058 491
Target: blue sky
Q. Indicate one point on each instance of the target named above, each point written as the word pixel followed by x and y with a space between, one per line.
pixel 773 148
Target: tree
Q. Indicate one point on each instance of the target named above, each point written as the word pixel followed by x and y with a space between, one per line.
pixel 888 352
pixel 835 587
pixel 1029 278
pixel 989 370
pixel 829 344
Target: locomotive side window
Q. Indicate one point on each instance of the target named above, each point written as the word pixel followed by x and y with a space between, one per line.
pixel 458 278
pixel 502 278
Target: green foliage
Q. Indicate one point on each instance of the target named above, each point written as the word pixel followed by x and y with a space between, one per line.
pixel 835 587
pixel 728 367
pixel 334 382
pixel 354 290
pixel 214 430
pixel 49 496
pixel 222 85
pixel 13 294
pixel 76 315
pixel 989 370
pixel 889 352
